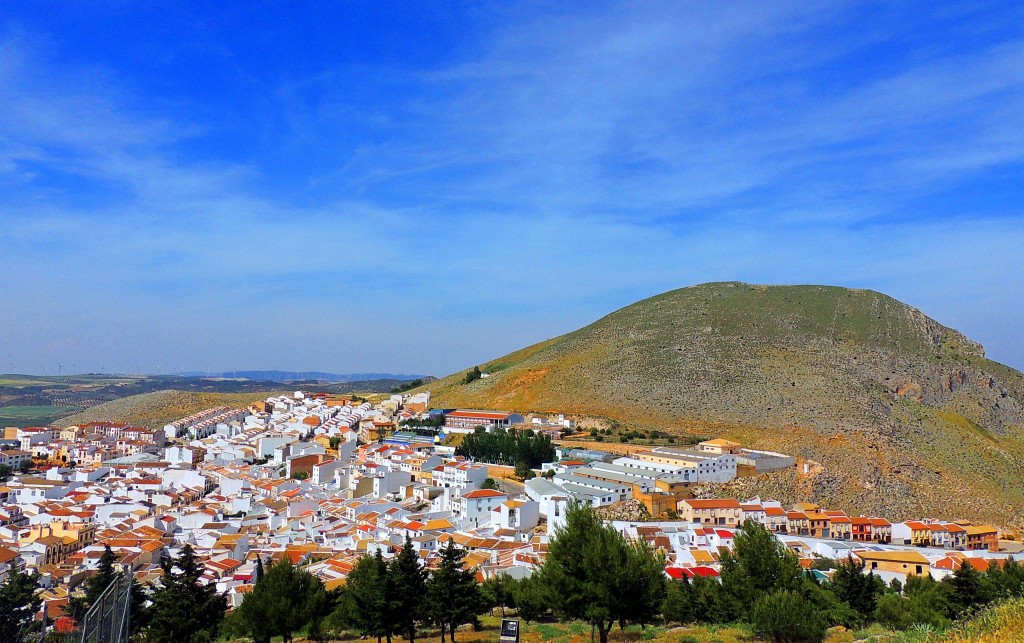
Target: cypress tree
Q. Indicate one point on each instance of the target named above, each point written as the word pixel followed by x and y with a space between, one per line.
pixel 366 606
pixel 408 585
pixel 453 597
pixel 183 609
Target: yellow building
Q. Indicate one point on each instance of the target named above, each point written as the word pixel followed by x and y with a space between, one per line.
pixel 910 563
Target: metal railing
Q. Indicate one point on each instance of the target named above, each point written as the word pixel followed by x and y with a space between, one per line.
pixel 109 618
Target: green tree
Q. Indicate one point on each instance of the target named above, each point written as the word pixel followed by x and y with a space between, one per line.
pixel 407 587
pixel 1006 581
pixel 523 469
pixel 785 616
pixel 497 591
pixel 758 565
pixel 594 574
pixel 679 604
pixel 967 589
pixel 531 599
pixel 472 375
pixel 5 472
pixel 18 604
pixel 285 600
pixel 94 586
pixel 489 483
pixel 711 603
pixel 923 602
pixel 453 597
pixel 861 591
pixel 183 610
pixel 365 604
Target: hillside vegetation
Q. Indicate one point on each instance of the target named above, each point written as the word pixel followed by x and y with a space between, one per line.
pixel 154 410
pixel 906 416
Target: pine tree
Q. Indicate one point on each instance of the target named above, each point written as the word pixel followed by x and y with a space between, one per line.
pixel 679 603
pixel 861 591
pixel 453 596
pixel 183 610
pixel 18 603
pixel 259 569
pixel 531 599
pixel 759 564
pixel 407 587
pixel 285 600
pixel 593 573
pixel 497 592
pixel 968 589
pixel 365 606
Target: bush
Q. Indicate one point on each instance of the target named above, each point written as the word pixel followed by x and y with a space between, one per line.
pixel 785 617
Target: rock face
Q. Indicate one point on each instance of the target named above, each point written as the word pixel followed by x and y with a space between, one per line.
pixel 907 416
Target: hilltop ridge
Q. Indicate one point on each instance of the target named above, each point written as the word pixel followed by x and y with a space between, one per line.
pixel 895 405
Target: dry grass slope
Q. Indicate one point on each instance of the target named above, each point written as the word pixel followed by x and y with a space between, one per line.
pixel 154 410
pixel 906 415
pixel 1002 623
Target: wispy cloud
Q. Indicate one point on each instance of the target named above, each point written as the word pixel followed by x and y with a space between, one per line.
pixel 412 216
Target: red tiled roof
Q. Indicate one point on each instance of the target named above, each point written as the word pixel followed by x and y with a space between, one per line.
pixel 716 503
pixel 485 415
pixel 483 493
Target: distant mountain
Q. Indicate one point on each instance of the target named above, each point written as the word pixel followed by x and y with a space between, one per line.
pixel 293 376
pixel 905 416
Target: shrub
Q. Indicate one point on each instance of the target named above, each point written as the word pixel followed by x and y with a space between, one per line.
pixel 785 617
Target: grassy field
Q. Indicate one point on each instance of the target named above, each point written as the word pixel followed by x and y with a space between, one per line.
pixel 1003 623
pixel 22 416
pixel 579 632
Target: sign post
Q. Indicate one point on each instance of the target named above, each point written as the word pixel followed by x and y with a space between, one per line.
pixel 509 631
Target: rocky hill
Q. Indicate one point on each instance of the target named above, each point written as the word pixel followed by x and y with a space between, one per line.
pixel 905 416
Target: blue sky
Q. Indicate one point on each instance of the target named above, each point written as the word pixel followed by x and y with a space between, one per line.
pixel 420 186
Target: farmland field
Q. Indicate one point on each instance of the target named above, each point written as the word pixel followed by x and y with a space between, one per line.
pixel 22 416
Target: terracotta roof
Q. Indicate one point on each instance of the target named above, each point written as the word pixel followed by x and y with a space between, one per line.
pixel 483 493
pixel 717 503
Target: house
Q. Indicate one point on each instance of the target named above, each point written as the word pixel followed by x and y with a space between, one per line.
pixel 466 420
pixel 909 563
pixel 724 512
pixel 818 524
pixel 881 530
pixel 982 537
pixel 476 507
pixel 755 512
pixel 911 532
pixel 15 458
pixel 719 446
pixel 840 525
pixel 775 519
pixel 519 515
pixel 860 528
